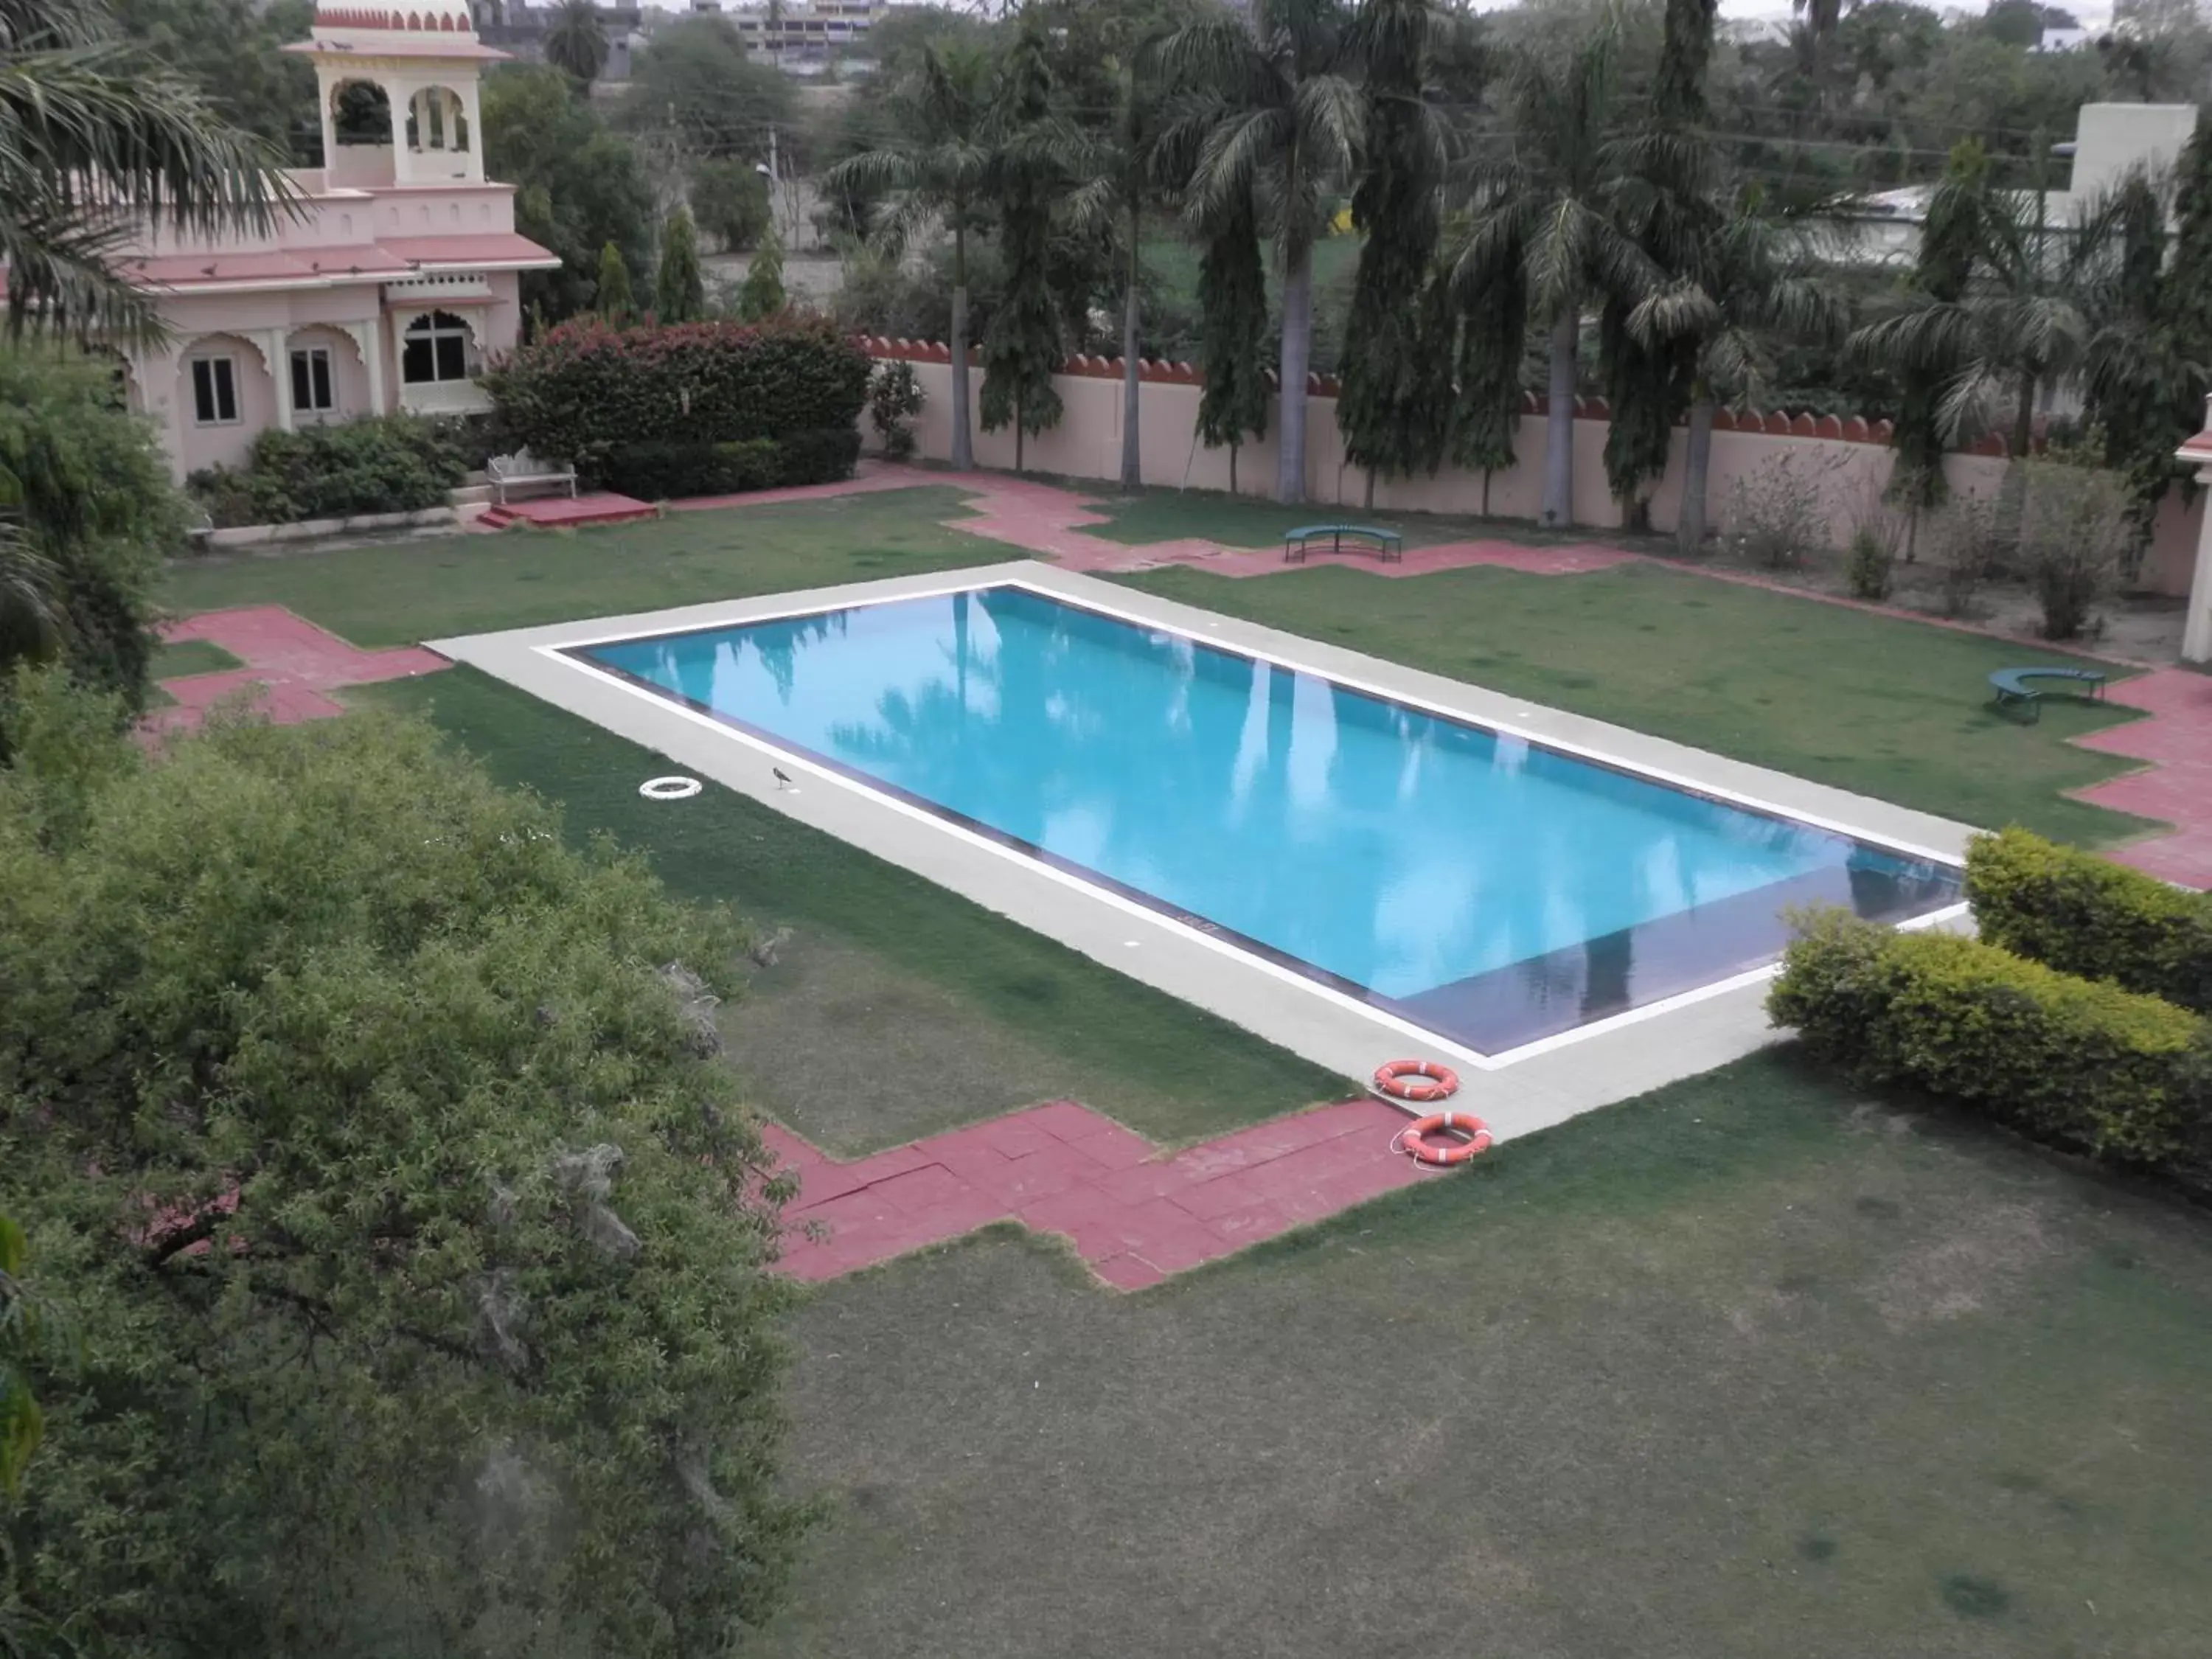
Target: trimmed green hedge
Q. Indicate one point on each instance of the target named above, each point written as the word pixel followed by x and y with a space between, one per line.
pixel 2087 915
pixel 584 390
pixel 379 464
pixel 665 471
pixel 2075 1061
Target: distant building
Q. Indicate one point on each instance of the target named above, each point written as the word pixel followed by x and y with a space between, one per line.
pixel 518 29
pixel 387 288
pixel 806 31
pixel 2110 141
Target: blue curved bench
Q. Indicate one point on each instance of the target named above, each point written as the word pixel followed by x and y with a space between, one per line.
pixel 2013 688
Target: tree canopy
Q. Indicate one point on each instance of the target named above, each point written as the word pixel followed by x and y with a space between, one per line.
pixel 412 1243
pixel 579 185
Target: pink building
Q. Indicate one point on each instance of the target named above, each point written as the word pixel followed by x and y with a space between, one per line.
pixel 388 287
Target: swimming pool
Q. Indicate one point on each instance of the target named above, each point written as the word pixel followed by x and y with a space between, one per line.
pixel 1476 885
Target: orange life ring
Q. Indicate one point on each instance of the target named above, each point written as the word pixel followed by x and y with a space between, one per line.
pixel 1466 1123
pixel 1415 1079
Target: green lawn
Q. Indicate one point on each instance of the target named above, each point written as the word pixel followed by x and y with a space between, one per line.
pixel 1752 1367
pixel 897 1008
pixel 398 593
pixel 1897 710
pixel 1160 515
pixel 184 657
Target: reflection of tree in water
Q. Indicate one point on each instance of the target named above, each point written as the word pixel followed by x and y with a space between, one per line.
pixel 1608 973
pixel 778 644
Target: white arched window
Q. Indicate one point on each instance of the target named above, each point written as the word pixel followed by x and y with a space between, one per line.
pixel 434 348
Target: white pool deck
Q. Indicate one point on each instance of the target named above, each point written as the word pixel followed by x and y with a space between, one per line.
pixel 1524 1089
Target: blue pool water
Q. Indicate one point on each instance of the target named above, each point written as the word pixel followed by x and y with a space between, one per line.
pixel 1490 888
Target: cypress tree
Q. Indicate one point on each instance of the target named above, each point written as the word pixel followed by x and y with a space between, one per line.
pixel 1023 346
pixel 612 299
pixel 1492 339
pixel 679 289
pixel 762 295
pixel 1232 307
pixel 1396 373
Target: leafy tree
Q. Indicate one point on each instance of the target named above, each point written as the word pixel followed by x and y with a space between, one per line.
pixel 613 299
pixel 1545 216
pixel 679 288
pixel 1397 392
pixel 695 86
pixel 1278 105
pixel 21 1426
pixel 578 183
pixel 413 1246
pixel 729 199
pixel 1027 175
pixel 932 168
pixel 2143 394
pixel 92 134
pixel 232 51
pixel 762 295
pixel 1492 337
pixel 576 41
pixel 86 515
pixel 1232 307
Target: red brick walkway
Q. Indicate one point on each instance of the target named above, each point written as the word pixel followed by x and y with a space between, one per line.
pixel 1134 1216
pixel 2176 784
pixel 290 666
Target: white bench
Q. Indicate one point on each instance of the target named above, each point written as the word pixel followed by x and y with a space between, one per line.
pixel 522 468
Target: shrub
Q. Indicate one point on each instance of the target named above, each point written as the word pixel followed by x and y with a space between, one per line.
pixel 894 399
pixel 383 464
pixel 583 387
pixel 2083 914
pixel 2075 538
pixel 662 471
pixel 2073 1061
pixel 1877 539
pixel 730 201
pixel 1775 515
pixel 1967 549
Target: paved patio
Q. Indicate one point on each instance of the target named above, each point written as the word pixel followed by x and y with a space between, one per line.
pixel 1133 1216
pixel 290 667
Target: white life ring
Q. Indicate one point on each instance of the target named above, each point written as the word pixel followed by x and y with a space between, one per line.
pixel 669 788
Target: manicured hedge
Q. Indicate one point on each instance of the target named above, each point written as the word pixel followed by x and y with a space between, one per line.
pixel 664 472
pixel 2087 915
pixel 585 389
pixel 2075 1061
pixel 379 464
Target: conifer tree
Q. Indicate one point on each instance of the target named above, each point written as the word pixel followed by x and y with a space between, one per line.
pixel 613 299
pixel 762 295
pixel 1022 345
pixel 679 290
pixel 1232 308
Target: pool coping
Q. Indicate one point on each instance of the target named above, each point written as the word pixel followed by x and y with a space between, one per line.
pixel 1518 1091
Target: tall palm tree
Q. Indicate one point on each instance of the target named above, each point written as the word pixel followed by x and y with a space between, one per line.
pixel 1752 278
pixel 935 167
pixel 1277 103
pixel 577 42
pixel 95 144
pixel 1545 216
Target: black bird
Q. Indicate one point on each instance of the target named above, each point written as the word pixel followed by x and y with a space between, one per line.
pixel 782 777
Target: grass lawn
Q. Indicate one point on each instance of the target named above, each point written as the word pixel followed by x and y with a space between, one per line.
pixel 1897 710
pixel 175 660
pixel 1750 1367
pixel 398 593
pixel 897 1008
pixel 1160 515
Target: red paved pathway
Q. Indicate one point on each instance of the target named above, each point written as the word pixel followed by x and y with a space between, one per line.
pixel 1134 1216
pixel 290 666
pixel 2176 742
